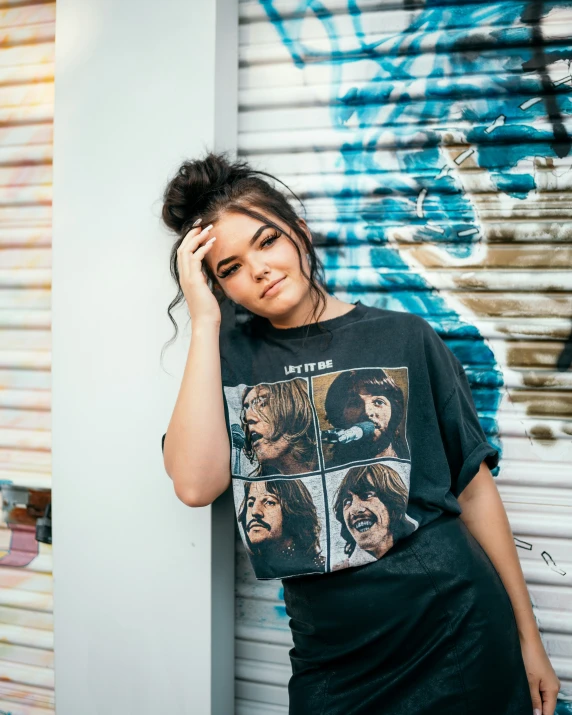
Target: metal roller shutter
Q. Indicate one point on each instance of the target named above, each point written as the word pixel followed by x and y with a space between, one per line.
pixel 431 144
pixel 26 116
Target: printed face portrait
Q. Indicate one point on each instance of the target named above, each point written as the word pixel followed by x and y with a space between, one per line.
pixel 263 520
pixel 370 505
pixel 279 429
pixel 257 418
pixel 378 410
pixel 366 518
pixel 372 402
pixel 291 519
pixel 280 525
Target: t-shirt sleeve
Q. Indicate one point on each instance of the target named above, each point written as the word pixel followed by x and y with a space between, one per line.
pixel 464 439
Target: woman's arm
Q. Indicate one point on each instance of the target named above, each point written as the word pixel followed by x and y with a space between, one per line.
pixel 485 517
pixel 197 448
pixel 484 514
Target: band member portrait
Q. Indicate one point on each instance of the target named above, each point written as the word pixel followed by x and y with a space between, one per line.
pixel 281 528
pixel 370 505
pixel 370 399
pixel 278 425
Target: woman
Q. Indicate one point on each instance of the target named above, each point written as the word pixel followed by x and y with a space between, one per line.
pixel 441 622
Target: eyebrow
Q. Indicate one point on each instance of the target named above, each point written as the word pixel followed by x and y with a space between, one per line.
pixel 224 261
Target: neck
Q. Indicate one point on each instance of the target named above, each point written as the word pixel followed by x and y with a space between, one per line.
pixel 302 314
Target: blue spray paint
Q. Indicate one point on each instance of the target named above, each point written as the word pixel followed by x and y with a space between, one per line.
pixel 486 54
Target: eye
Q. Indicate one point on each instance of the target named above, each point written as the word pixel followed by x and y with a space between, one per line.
pixel 270 239
pixel 227 272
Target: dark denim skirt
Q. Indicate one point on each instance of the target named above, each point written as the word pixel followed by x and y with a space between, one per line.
pixel 428 629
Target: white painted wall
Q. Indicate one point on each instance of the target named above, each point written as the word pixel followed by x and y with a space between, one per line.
pixel 143 612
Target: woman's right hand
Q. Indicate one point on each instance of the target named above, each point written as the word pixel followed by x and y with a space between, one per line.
pixel 201 301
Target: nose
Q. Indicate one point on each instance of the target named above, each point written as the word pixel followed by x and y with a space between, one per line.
pixel 357 505
pixel 257 509
pixel 249 413
pixel 258 267
pixel 369 408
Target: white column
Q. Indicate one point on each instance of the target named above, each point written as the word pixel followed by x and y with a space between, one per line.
pixel 144 586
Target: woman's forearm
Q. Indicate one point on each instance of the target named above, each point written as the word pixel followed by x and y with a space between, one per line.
pixel 484 514
pixel 197 448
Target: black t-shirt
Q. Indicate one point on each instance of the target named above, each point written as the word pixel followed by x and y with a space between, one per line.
pixel 343 442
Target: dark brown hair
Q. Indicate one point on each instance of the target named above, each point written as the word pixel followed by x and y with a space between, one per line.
pixel 214 185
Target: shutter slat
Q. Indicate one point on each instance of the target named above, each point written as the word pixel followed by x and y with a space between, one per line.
pixel 27 34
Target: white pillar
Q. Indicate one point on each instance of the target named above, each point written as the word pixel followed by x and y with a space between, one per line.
pixel 144 586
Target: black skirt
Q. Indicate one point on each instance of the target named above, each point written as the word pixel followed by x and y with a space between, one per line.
pixel 428 629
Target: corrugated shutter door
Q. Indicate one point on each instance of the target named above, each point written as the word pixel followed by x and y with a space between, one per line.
pixel 26 117
pixel 430 144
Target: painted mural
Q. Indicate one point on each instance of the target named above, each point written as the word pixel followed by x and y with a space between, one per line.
pixel 431 145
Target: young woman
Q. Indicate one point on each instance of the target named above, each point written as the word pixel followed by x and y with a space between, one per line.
pixel 360 471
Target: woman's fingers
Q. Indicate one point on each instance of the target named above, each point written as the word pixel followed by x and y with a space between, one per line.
pixel 194 236
pixel 201 250
pixel 187 258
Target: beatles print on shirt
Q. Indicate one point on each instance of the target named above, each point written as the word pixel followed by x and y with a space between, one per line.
pixel 320 469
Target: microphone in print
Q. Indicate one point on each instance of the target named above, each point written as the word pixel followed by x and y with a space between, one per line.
pixel 238 439
pixel 351 434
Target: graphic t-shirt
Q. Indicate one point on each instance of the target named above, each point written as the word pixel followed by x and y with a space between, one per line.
pixel 344 441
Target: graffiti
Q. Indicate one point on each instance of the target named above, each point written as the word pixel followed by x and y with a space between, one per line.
pixel 440 133
pixel 459 118
pixel 521 544
pixel 533 15
pixel 550 562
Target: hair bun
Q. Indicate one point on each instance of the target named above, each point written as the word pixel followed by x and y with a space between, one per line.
pixel 192 188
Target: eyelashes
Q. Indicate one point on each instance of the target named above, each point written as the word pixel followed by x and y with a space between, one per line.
pixel 268 240
pixel 271 237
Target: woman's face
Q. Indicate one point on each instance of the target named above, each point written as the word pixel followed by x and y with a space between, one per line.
pixel 247 257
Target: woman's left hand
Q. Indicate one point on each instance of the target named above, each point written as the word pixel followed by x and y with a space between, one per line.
pixel 543 681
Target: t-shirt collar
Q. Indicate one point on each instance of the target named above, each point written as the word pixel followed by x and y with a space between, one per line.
pixel 314 328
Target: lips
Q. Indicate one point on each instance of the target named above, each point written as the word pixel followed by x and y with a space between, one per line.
pixel 269 288
pixel 364 524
